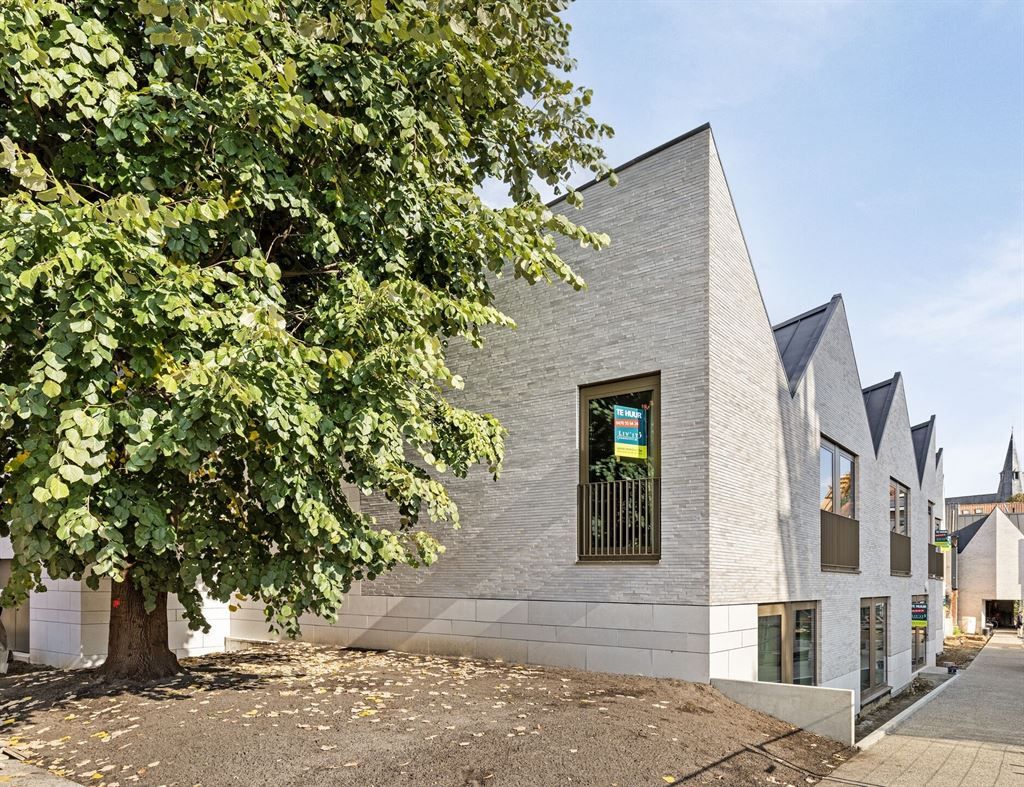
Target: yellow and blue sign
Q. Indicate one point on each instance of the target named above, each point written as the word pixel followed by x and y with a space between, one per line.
pixel 942 540
pixel 630 425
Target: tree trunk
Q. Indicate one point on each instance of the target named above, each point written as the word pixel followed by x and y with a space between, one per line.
pixel 137 646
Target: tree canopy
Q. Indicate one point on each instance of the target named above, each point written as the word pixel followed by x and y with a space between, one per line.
pixel 236 238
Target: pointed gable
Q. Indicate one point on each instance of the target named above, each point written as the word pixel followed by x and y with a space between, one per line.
pixel 878 402
pixel 798 338
pixel 922 438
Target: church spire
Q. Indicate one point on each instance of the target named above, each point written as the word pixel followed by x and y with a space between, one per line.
pixel 1011 480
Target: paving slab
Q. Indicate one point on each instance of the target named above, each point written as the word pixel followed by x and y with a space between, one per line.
pixel 972 735
pixel 20 774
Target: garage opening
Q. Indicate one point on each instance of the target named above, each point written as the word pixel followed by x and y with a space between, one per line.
pixel 999 614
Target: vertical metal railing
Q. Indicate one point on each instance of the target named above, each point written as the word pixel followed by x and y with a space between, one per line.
pixel 840 543
pixel 619 520
pixel 936 567
pixel 899 554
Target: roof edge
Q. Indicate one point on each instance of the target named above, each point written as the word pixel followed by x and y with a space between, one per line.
pixel 808 313
pixel 922 459
pixel 643 156
pixel 892 382
pixel 830 310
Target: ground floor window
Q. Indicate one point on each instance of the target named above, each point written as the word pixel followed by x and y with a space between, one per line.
pixel 787 643
pixel 918 632
pixel 873 642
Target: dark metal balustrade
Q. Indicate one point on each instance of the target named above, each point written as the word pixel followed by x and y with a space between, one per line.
pixel 840 543
pixel 619 520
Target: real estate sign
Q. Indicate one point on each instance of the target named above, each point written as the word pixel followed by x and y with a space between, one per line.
pixel 630 425
pixel 919 614
pixel 942 539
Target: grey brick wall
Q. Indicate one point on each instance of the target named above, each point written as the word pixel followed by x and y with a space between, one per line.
pixel 675 294
pixel 644 310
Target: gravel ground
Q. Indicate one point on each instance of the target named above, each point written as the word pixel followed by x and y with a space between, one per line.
pixel 961 650
pixel 299 714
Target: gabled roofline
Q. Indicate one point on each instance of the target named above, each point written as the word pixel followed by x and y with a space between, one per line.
pixel 829 309
pixel 809 312
pixel 652 152
pixel 893 383
pixel 922 456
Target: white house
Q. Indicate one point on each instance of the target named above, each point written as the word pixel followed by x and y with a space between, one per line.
pixel 688 490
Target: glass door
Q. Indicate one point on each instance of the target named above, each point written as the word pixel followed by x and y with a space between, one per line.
pixel 918 632
pixel 873 643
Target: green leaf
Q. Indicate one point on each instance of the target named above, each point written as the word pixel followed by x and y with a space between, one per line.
pixel 57 488
pixel 51 389
pixel 72 473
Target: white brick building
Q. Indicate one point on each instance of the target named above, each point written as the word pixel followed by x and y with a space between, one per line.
pixel 712 556
pixel 741 412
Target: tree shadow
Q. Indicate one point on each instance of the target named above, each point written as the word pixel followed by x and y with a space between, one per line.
pixel 44 689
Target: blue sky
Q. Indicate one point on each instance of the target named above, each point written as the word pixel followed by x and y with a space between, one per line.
pixel 874 149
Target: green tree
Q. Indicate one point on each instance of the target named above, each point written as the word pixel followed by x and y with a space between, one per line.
pixel 236 239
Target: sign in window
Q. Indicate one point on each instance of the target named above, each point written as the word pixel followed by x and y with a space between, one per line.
pixel 618 496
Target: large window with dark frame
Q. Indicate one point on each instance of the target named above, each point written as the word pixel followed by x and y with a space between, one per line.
pixel 837 480
pixel 618 498
pixel 899 508
pixel 787 643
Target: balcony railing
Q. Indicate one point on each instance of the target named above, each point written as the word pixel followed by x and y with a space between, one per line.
pixel 840 543
pixel 619 520
pixel 899 554
pixel 935 562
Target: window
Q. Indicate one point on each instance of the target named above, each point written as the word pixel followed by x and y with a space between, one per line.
pixel 873 615
pixel 899 508
pixel 918 632
pixel 618 505
pixel 836 472
pixel 787 643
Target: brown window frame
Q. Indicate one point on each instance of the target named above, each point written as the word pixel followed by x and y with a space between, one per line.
pixel 875 686
pixel 645 382
pixel 921 647
pixel 894 526
pixel 838 454
pixel 787 611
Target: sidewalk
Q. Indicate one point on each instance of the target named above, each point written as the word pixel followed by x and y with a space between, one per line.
pixel 18 774
pixel 972 735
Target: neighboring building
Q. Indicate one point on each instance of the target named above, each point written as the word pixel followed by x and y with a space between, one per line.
pixel 688 491
pixel 987 560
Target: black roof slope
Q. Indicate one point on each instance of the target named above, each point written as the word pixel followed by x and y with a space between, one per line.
pixel 922 437
pixel 877 402
pixel 798 338
pixel 966 533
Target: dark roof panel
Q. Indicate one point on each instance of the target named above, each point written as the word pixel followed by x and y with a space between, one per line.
pixel 965 534
pixel 877 402
pixel 798 338
pixel 922 437
pixel 969 499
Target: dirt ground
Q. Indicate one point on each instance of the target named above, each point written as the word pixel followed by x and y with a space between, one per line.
pixel 961 650
pixel 299 714
pixel 918 688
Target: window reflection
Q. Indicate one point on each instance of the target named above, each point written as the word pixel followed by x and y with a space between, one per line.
pixel 825 464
